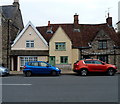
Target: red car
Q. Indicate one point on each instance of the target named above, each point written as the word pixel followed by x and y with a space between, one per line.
pixel 85 66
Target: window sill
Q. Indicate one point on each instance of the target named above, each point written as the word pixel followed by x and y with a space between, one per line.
pixel 60 50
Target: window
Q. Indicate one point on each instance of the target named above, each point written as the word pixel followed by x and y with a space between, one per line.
pixel 30 44
pixel 102 44
pixel 43 64
pixel 103 58
pixel 88 62
pixel 49 32
pixel 60 46
pixel 64 59
pixel 97 62
pixel 23 60
pixel 93 62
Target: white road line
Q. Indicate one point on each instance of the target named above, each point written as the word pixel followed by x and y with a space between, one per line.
pixel 15 84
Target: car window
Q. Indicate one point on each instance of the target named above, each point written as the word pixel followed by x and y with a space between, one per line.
pixel 96 62
pixel 44 64
pixel 88 62
pixel 33 63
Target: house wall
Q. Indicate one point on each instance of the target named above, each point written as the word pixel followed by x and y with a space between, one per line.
pixel 30 34
pixel 61 36
pixel 9 27
pixel 75 56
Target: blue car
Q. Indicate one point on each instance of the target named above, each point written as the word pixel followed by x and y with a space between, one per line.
pixel 40 67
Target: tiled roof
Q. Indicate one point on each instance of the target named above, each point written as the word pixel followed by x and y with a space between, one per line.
pixel 9 11
pixel 86 35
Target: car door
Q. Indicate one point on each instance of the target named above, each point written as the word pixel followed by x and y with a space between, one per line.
pixel 98 66
pixel 34 66
pixel 90 65
pixel 44 68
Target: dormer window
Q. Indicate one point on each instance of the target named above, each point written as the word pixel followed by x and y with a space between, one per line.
pixel 49 32
pixel 102 44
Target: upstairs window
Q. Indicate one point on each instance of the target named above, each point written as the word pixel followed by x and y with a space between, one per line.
pixel 29 43
pixel 60 46
pixel 102 44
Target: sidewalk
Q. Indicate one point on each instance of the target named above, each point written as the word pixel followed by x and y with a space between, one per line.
pixel 63 71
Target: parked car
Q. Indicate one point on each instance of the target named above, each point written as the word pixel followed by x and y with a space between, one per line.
pixel 4 71
pixel 40 67
pixel 83 67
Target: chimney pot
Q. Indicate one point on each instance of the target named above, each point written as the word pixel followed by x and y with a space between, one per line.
pixel 48 23
pixel 16 1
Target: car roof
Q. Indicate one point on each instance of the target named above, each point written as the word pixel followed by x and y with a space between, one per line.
pixel 89 59
pixel 36 61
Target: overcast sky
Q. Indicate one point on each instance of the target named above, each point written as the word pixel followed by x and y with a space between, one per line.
pixel 39 12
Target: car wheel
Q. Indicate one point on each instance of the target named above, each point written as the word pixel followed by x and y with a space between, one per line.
pixel 83 72
pixel 110 72
pixel 53 73
pixel 28 74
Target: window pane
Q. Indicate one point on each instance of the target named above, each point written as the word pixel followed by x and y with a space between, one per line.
pixel 23 60
pixel 43 64
pixel 64 59
pixel 30 43
pixel 60 46
pixel 102 44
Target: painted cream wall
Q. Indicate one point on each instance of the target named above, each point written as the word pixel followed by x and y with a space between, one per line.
pixel 60 36
pixel 38 42
pixel 43 58
pixel 75 56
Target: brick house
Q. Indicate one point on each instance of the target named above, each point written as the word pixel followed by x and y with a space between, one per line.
pixel 71 42
pixel 11 24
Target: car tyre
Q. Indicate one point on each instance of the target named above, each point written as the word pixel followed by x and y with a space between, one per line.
pixel 54 73
pixel 110 72
pixel 83 72
pixel 28 73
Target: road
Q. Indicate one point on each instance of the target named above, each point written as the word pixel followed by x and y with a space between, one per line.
pixel 64 88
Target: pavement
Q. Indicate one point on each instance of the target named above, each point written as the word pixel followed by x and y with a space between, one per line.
pixel 63 71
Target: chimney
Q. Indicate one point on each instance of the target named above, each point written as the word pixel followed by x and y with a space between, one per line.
pixel 48 23
pixel 109 20
pixel 16 3
pixel 76 20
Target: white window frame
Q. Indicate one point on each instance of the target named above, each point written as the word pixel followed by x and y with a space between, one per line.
pixel 29 43
pixel 24 59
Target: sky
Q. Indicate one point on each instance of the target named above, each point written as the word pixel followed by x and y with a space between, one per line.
pixel 39 12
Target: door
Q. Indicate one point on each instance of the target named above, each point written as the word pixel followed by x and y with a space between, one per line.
pixel 98 66
pixel 52 60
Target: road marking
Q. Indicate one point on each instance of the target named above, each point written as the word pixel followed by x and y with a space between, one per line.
pixel 15 84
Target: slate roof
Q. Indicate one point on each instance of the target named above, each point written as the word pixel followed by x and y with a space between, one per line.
pixel 9 11
pixel 86 35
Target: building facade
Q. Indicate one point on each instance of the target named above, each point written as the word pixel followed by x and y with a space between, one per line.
pixel 29 45
pixel 11 24
pixel 71 42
